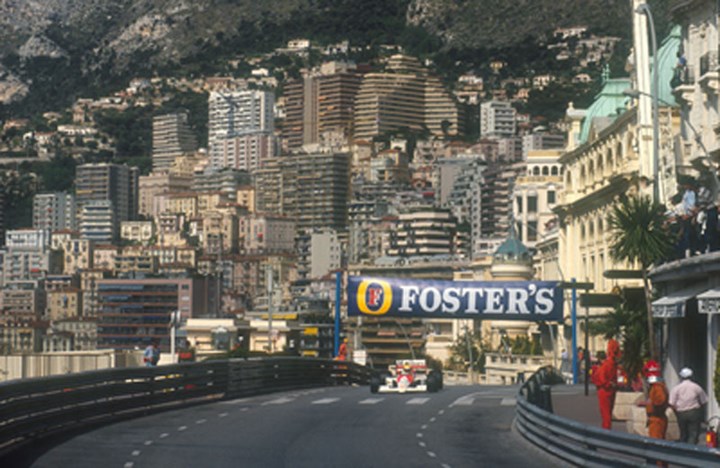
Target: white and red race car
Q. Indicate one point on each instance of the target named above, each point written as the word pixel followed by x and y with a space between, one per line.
pixel 407 375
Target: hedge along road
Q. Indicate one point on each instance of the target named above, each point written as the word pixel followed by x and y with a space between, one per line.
pixel 338 426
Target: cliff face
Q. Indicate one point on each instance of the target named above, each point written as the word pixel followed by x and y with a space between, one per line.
pixel 501 23
pixel 124 37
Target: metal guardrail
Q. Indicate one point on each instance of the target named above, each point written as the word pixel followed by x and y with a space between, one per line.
pixel 32 409
pixel 592 446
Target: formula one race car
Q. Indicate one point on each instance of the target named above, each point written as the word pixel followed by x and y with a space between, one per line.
pixel 407 375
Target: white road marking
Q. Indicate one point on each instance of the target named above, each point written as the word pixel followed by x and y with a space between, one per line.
pixel 508 402
pixel 422 444
pixel 419 435
pixel 129 465
pixel 417 401
pixel 182 428
pixel 163 435
pixel 238 401
pixel 445 465
pixel 201 421
pixel 135 453
pixel 325 401
pixel 433 419
pixel 222 415
pixel 431 454
pixel 370 401
pixel 463 401
pixel 148 442
pixel 424 426
pixel 442 411
pixel 245 409
pixel 279 401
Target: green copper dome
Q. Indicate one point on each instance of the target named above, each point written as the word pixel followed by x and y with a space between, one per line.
pixel 667 62
pixel 512 251
pixel 610 102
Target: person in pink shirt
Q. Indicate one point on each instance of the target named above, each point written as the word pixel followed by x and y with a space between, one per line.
pixel 688 400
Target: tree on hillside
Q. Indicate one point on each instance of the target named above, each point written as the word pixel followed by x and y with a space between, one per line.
pixel 640 237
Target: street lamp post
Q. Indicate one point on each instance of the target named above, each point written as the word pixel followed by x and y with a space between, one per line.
pixel 175 318
pixel 644 9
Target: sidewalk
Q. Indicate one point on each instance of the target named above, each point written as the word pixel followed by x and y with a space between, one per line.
pixel 569 401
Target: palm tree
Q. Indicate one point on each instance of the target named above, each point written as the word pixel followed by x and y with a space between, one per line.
pixel 640 236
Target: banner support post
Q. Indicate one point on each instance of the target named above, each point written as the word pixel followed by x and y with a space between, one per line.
pixel 573 315
pixel 338 296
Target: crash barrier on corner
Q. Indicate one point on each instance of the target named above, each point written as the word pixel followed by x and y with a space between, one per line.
pixel 33 409
pixel 592 446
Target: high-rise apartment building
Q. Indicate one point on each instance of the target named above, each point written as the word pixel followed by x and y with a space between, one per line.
pixel 54 211
pixel 311 188
pixel 404 95
pixel 240 128
pixel 320 106
pixel 28 255
pixel 112 182
pixel 2 218
pixel 98 221
pixel 132 312
pixel 497 119
pixel 172 137
pixel 424 232
pixel 496 205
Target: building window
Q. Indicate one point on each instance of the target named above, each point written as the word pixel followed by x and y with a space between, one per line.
pixel 551 197
pixel 532 204
pixel 532 227
pixel 519 202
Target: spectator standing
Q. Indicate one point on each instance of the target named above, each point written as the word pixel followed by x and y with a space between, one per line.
pixel 151 355
pixel 687 211
pixel 688 400
pixel 605 378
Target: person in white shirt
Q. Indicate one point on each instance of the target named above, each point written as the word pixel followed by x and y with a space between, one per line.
pixel 688 400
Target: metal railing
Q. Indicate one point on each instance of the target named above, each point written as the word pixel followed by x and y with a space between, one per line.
pixel 708 62
pixel 592 446
pixel 32 409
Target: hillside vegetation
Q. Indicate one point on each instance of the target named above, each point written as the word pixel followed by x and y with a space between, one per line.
pixel 62 50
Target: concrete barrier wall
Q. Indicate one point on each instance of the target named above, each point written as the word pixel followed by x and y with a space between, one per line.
pixel 45 364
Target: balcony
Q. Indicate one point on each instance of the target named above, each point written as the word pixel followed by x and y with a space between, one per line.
pixel 708 77
pixel 683 83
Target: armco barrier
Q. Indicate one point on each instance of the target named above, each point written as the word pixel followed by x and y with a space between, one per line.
pixel 33 409
pixel 592 446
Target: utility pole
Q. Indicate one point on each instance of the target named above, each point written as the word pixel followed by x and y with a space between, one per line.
pixel 269 304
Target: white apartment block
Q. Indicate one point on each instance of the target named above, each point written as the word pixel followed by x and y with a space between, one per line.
pixel 27 255
pixel 325 253
pixel 535 195
pixel 98 221
pixel 233 114
pixel 245 152
pixel 54 211
pixel 36 239
pixel 140 232
pixel 497 119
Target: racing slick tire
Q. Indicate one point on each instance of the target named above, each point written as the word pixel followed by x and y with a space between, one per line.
pixel 374 384
pixel 434 381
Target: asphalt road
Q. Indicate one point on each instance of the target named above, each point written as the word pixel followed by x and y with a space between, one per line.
pixel 329 427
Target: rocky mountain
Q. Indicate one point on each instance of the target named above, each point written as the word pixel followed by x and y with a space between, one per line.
pixel 80 44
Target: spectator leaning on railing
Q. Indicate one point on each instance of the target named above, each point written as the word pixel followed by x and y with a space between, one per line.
pixel 694 220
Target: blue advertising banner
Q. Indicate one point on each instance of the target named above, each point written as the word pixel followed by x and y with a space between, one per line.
pixel 490 300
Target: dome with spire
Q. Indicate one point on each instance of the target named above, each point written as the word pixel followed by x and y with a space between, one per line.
pixel 512 260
